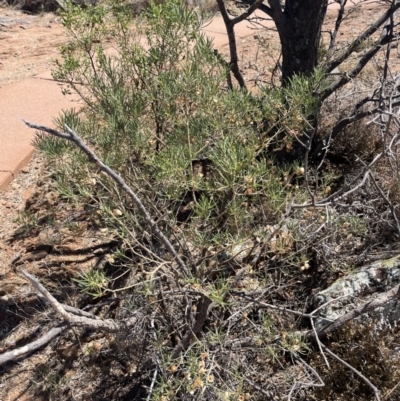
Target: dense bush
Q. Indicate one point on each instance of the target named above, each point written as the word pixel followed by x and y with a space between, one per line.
pixel 202 158
pixel 157 111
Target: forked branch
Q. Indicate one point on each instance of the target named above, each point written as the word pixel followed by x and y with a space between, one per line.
pixel 108 325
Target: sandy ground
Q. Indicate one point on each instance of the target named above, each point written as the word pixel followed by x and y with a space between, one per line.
pixel 28 43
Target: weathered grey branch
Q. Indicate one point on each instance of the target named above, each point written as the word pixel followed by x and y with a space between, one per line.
pixel 54 332
pixel 34 345
pixel 77 140
pixel 109 325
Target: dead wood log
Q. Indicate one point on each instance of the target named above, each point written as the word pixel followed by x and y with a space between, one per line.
pixel 382 300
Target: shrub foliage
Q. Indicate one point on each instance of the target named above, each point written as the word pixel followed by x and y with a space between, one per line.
pixel 202 158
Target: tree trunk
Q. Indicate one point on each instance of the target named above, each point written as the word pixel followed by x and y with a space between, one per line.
pixel 299 28
pixel 299 24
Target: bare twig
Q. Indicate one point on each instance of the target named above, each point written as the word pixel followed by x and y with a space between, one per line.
pixel 354 370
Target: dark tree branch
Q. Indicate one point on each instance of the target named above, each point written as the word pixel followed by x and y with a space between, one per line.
pixel 248 12
pixel 338 22
pixel 348 76
pixel 277 13
pixel 365 35
pixel 234 62
pixel 274 11
pixel 262 7
pixel 227 66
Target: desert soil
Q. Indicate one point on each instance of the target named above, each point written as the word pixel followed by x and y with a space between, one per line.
pixel 28 44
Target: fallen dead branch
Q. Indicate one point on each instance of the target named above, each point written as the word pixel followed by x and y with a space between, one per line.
pixel 46 297
pixel 108 325
pixel 74 317
pixel 378 302
pixel 34 345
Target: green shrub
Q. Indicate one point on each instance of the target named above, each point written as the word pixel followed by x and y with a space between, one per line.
pixel 157 112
